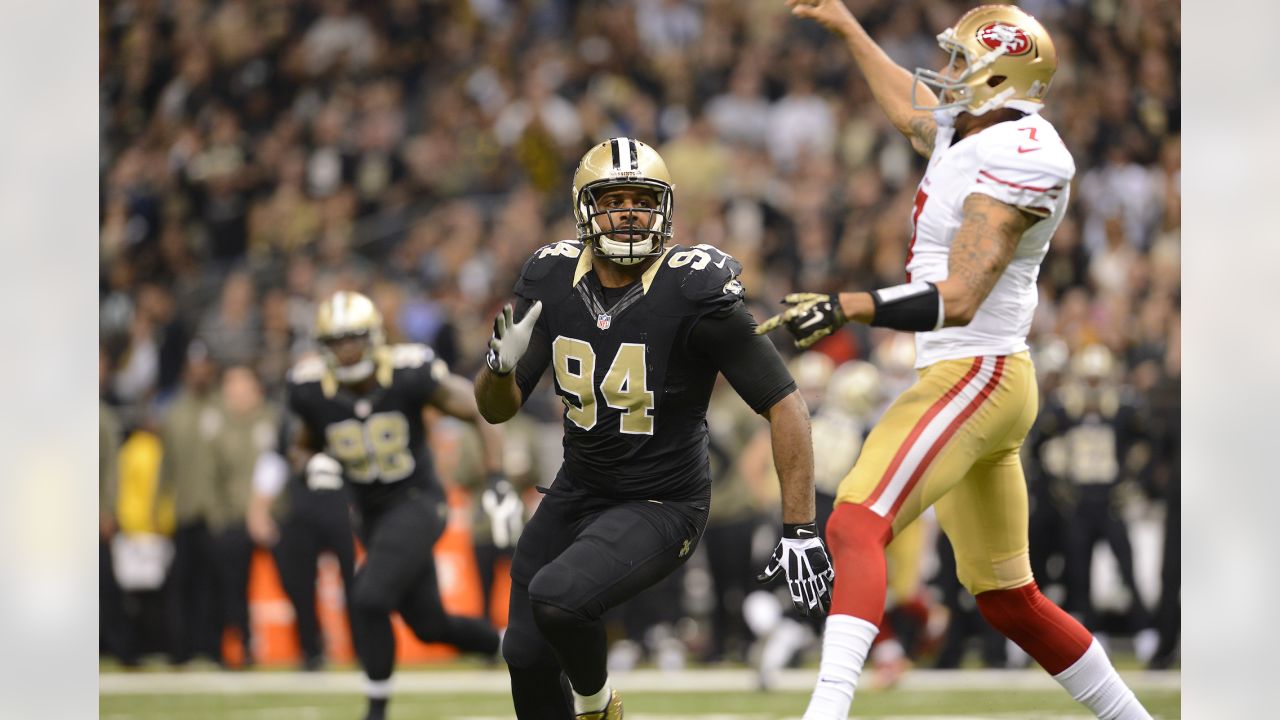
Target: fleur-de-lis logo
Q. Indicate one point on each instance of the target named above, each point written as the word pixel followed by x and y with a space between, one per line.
pixel 684 549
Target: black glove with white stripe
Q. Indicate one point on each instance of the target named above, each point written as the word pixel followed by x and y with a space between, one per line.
pixel 802 556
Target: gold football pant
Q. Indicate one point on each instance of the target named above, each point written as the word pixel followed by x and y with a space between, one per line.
pixel 952 440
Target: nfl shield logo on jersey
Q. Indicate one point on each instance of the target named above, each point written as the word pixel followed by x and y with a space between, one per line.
pixel 603 320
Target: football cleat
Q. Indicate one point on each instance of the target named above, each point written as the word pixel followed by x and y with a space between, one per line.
pixel 612 710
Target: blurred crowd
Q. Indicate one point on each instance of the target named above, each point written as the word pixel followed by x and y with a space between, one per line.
pixel 257 155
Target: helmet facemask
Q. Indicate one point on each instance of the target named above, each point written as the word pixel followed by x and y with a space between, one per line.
pixel 347 316
pixel 356 372
pixel 604 228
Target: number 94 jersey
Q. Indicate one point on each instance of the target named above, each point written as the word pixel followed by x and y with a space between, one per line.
pixel 635 394
pixel 379 437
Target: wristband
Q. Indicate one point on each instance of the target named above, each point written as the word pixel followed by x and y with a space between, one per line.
pixel 491 362
pixel 915 307
pixel 800 531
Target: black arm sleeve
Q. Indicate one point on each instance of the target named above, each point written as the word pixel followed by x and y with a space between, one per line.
pixel 535 360
pixel 750 362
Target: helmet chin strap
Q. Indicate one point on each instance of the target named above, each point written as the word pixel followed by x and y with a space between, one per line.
pixel 624 253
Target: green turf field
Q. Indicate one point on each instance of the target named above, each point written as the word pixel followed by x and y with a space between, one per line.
pixel 914 702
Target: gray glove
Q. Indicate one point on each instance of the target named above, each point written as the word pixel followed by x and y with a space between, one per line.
pixel 510 339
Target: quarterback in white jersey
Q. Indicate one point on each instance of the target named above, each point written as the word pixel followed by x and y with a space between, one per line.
pixel 1021 163
pixel 995 190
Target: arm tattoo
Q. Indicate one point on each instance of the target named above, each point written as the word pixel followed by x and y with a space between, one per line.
pixel 923 132
pixel 985 243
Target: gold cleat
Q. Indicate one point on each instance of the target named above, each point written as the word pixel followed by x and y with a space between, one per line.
pixel 612 710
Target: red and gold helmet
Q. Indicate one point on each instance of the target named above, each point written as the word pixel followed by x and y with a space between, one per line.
pixel 1009 61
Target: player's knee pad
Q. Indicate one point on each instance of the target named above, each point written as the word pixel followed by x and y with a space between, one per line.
pixel 371 597
pixel 552 619
pixel 555 600
pixel 1041 628
pixel 525 649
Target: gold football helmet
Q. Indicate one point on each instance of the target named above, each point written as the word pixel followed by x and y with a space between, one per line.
pixel 622 163
pixel 811 371
pixel 345 315
pixel 1093 362
pixel 855 389
pixel 1009 61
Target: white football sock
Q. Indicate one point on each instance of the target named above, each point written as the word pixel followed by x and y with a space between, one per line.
pixel 377 689
pixel 1094 683
pixel 845 643
pixel 594 702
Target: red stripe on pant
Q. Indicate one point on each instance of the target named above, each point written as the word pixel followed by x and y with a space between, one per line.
pixel 942 440
pixel 920 425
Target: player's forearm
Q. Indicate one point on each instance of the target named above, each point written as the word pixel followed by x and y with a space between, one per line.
pixel 890 83
pixel 491 440
pixel 497 396
pixel 793 457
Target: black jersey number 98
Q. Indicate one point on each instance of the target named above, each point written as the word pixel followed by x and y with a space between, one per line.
pixel 375 450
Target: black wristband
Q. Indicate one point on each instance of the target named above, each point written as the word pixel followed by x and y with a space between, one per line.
pixel 915 307
pixel 800 531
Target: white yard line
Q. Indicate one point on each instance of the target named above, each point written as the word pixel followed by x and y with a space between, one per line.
pixel 496 682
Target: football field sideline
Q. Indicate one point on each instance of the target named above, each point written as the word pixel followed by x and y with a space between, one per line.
pixel 434 682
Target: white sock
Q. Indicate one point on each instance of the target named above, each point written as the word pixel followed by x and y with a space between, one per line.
pixel 1094 683
pixel 377 689
pixel 594 702
pixel 845 643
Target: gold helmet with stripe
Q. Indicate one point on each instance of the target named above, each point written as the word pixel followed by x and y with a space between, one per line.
pixel 1000 57
pixel 615 164
pixel 343 316
pixel 855 389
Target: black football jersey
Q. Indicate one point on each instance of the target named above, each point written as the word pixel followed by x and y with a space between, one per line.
pixel 379 437
pixel 635 394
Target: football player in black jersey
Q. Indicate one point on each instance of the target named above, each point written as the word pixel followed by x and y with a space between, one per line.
pixel 360 409
pixel 635 330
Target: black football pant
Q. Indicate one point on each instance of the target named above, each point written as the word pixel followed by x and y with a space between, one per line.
pixel 399 575
pixel 193 602
pixel 579 556
pixel 317 525
pixel 117 635
pixel 1094 519
pixel 728 548
pixel 234 551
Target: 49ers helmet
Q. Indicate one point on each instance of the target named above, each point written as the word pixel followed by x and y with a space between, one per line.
pixel 1009 62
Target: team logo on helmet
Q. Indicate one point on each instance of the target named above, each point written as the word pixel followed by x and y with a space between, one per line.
pixel 995 35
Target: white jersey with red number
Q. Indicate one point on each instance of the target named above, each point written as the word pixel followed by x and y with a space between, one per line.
pixel 1022 163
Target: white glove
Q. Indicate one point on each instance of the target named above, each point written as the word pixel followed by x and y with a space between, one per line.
pixel 324 473
pixel 510 339
pixel 802 557
pixel 505 509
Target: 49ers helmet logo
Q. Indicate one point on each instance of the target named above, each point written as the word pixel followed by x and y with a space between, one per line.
pixel 996 34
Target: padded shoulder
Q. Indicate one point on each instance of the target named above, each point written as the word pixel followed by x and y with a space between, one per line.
pixel 308 370
pixel 410 355
pixel 1026 155
pixel 549 271
pixel 707 276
